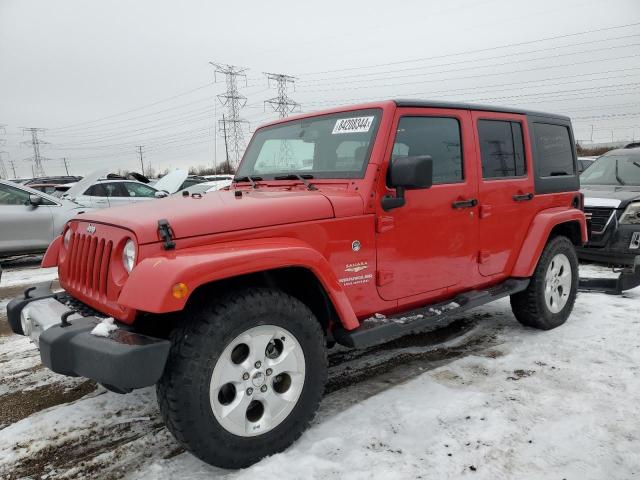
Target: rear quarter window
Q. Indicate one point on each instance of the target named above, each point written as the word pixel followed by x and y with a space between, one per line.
pixel 554 150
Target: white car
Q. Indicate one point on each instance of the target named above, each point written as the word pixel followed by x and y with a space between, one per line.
pixel 96 190
pixel 205 187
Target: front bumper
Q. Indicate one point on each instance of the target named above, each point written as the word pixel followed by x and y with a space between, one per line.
pixel 618 245
pixel 122 361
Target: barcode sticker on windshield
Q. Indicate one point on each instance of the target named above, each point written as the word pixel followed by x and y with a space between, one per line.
pixel 352 125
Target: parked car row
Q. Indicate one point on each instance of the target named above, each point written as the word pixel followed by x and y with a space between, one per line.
pixel 31 217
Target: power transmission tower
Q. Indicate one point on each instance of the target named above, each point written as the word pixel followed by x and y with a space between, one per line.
pixel 140 147
pixel 283 104
pixel 13 167
pixel 38 169
pixel 232 124
pixel 3 170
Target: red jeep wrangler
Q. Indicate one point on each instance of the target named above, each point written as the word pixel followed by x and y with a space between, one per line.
pixel 354 225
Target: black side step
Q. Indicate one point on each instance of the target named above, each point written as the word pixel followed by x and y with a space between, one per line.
pixel 629 278
pixel 374 330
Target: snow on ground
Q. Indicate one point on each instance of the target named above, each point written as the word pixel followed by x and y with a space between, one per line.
pixel 28 276
pixel 500 401
pixel 558 404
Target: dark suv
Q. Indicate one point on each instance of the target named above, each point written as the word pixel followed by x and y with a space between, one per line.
pixel 611 188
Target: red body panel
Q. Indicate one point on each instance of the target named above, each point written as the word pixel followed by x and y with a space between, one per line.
pixel 410 256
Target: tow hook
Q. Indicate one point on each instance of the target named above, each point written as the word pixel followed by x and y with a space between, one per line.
pixel 629 278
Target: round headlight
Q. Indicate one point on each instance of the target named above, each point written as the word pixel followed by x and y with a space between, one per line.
pixel 67 238
pixel 129 255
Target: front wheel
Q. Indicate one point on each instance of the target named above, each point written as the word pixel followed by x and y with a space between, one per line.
pixel 244 377
pixel 548 300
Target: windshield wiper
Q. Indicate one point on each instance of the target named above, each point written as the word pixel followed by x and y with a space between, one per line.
pixel 617 176
pixel 249 179
pixel 294 176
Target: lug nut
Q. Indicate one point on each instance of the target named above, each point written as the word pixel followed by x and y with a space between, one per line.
pixel 263 388
pixel 269 371
pixel 258 364
pixel 249 391
pixel 245 376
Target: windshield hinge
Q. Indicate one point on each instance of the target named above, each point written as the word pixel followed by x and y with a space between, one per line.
pixel 166 234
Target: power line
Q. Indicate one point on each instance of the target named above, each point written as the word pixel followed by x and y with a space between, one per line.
pixel 232 124
pixel 479 50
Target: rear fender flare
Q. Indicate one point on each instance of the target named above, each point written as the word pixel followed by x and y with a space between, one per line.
pixel 148 287
pixel 538 234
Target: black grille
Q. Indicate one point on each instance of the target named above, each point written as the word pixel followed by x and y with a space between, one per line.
pixel 597 218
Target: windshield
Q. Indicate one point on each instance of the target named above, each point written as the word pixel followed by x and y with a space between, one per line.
pixel 613 170
pixel 326 146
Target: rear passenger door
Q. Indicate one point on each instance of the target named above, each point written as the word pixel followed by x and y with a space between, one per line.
pixel 506 189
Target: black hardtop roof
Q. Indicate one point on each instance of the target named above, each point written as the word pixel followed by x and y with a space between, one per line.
pixel 471 106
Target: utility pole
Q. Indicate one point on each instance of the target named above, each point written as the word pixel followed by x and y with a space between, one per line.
pixel 282 104
pixel 591 133
pixel 66 167
pixel 38 169
pixel 226 145
pixel 139 147
pixel 232 123
pixel 13 167
pixel 3 170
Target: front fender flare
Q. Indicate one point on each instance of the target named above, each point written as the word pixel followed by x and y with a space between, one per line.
pixel 148 287
pixel 538 235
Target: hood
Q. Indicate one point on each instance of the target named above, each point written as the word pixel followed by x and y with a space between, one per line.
pixel 172 181
pixel 223 211
pixel 616 196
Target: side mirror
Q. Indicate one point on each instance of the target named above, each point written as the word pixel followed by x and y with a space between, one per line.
pixel 35 200
pixel 407 173
pixel 161 194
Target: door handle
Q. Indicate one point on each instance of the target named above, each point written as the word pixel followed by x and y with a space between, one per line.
pixel 524 197
pixel 472 202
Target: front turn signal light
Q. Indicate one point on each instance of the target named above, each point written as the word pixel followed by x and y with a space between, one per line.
pixel 179 290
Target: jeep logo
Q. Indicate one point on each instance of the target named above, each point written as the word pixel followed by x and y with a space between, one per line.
pixel 91 229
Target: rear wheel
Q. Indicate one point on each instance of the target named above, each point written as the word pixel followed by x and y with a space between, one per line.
pixel 244 377
pixel 548 300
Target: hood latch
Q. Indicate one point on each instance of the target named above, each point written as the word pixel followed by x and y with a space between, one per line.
pixel 166 234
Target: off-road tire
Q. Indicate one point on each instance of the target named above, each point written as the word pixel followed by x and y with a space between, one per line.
pixel 206 330
pixel 529 306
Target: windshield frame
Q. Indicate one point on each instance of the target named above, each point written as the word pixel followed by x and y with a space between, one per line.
pixel 617 157
pixel 317 175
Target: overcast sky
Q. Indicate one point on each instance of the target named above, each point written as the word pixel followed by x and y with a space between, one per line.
pixel 104 77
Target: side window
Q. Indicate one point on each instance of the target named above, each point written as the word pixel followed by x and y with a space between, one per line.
pixel 140 190
pixel 501 148
pixel 555 152
pixel 96 190
pixel 115 190
pixel 13 196
pixel 438 137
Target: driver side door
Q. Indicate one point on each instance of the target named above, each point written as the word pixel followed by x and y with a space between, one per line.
pixel 429 245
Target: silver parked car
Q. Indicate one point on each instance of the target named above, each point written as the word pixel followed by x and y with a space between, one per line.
pixel 30 220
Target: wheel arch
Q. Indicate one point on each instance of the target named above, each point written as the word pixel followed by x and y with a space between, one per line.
pixel 546 225
pixel 288 264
